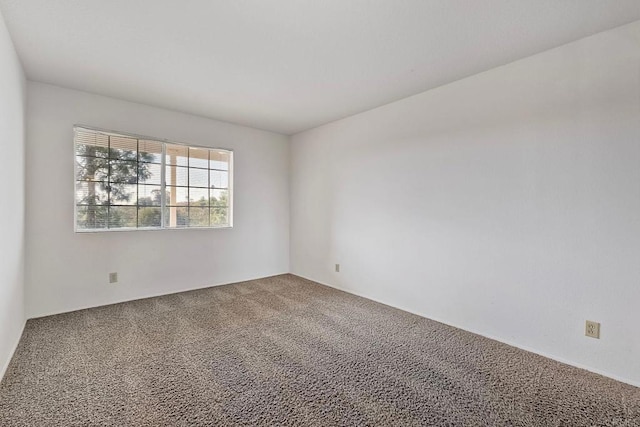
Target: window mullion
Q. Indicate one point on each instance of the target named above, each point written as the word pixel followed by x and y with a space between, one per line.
pixel 188 208
pixel 163 185
pixel 137 183
pixel 209 185
pixel 108 224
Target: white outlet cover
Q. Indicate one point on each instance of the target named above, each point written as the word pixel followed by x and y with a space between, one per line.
pixel 592 329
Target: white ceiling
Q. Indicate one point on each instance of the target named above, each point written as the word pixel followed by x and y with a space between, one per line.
pixel 287 65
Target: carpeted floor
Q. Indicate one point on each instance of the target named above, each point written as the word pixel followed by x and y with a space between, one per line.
pixel 287 351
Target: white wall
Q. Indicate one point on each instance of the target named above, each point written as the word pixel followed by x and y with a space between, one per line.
pixel 12 112
pixel 507 203
pixel 67 271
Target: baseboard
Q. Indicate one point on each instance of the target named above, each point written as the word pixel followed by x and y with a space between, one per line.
pixel 512 344
pixel 15 346
pixel 137 298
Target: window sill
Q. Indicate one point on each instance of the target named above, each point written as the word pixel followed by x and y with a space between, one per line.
pixel 121 230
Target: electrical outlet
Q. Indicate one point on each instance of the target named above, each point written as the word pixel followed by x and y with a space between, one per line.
pixel 113 277
pixel 337 268
pixel 592 329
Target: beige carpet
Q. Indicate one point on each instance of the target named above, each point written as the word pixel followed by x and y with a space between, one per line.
pixel 286 351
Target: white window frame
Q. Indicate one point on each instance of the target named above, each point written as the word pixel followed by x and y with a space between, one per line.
pixel 163 185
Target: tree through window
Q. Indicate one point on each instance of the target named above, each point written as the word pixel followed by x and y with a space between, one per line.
pixel 126 182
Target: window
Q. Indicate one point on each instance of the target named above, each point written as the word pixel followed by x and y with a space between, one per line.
pixel 125 182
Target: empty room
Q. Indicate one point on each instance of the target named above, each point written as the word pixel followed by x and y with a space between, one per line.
pixel 320 213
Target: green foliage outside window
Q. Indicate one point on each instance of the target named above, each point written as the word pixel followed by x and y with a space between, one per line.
pixel 118 185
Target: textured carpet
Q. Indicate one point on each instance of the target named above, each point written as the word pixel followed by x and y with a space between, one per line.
pixel 287 351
